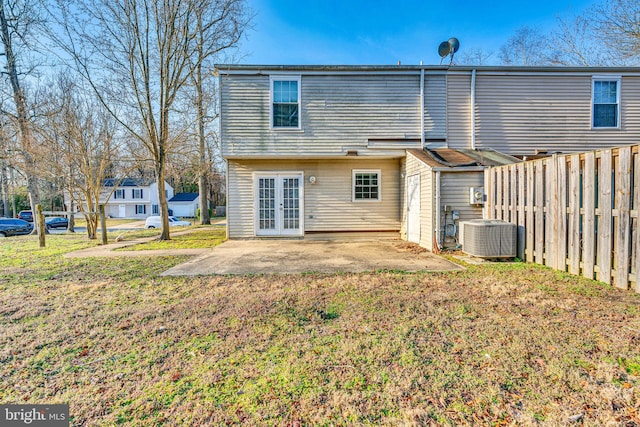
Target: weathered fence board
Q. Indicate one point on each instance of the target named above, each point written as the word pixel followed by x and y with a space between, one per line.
pixel 577 213
pixel 530 227
pixel 588 205
pixel 520 209
pixel 561 218
pixel 574 215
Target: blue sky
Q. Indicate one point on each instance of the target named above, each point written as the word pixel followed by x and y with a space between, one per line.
pixel 383 32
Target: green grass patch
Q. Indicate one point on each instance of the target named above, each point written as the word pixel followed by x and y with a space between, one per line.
pixel 200 238
pixel 507 344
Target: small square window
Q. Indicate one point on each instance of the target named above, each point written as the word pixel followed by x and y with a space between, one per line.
pixel 366 185
pixel 141 209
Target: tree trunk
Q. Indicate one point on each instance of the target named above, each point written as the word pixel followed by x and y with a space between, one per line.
pixel 21 113
pixel 162 200
pixel 203 165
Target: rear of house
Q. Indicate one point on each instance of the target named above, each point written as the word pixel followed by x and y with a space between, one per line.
pixel 347 149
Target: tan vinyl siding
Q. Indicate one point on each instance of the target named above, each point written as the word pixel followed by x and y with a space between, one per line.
pixel 521 113
pixel 336 111
pixel 327 203
pixel 413 167
pixel 435 106
pixel 454 192
pixel 458 107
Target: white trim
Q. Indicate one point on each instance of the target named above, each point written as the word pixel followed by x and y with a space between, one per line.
pixel 278 176
pixel 286 78
pixel 410 226
pixel 353 185
pixel 606 78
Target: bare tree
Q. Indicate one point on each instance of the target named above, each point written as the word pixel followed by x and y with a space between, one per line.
pixel 210 41
pixel 474 56
pixel 137 55
pixel 16 21
pixel 617 23
pixel 82 138
pixel 528 46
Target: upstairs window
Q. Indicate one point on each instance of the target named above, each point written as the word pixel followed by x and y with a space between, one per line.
pixel 118 194
pixel 285 102
pixel 606 103
pixel 366 185
pixel 136 193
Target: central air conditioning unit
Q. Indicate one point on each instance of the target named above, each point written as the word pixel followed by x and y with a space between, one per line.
pixel 489 238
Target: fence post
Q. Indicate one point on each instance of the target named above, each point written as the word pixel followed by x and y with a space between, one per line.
pixel 103 224
pixel 40 225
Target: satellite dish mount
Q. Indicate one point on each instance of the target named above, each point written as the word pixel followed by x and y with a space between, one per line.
pixel 448 48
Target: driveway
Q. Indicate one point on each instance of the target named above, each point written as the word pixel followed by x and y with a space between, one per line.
pixel 303 256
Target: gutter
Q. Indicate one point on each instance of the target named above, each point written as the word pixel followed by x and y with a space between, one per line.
pixel 422 108
pixel 472 109
pixel 438 243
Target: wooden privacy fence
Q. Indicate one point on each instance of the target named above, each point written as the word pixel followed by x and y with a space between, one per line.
pixel 574 212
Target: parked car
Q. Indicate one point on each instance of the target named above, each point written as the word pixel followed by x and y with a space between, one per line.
pixel 14 227
pixel 154 222
pixel 56 222
pixel 25 216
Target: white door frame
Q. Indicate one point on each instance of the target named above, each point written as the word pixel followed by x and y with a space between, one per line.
pixel 413 208
pixel 122 211
pixel 279 209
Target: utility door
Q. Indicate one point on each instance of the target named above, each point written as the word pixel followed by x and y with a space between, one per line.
pixel 279 204
pixel 413 208
pixel 122 211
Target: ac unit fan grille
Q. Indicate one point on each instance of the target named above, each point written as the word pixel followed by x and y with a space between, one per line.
pixel 489 238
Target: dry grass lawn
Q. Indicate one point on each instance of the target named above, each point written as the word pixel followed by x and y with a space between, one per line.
pixel 505 344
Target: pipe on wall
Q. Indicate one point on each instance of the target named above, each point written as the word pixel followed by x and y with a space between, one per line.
pixel 438 242
pixel 422 107
pixel 472 109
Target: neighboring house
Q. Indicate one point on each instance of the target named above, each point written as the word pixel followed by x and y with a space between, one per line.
pixel 185 204
pixel 132 197
pixel 362 148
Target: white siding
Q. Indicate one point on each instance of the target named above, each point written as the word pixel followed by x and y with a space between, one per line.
pixel 435 107
pixel 521 113
pixel 458 110
pixel 454 191
pixel 413 167
pixel 327 205
pixel 336 111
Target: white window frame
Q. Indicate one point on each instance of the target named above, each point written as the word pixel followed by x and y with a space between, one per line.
pixel 144 209
pixel 278 176
pixel 287 78
pixel 119 193
pixel 354 172
pixel 140 193
pixel 618 80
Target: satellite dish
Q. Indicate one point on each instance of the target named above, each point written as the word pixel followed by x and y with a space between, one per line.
pixel 450 47
pixel 444 49
pixel 455 45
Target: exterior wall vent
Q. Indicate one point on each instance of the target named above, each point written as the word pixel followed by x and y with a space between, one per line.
pixel 489 238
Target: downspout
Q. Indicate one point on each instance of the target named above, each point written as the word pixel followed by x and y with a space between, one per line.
pixel 472 109
pixel 422 107
pixel 438 243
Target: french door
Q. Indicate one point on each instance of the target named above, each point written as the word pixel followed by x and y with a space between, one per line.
pixel 279 204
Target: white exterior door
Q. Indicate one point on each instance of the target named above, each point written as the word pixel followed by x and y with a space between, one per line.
pixel 279 204
pixel 413 208
pixel 122 211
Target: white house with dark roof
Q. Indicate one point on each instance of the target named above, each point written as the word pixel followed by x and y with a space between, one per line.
pixel 185 204
pixel 132 197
